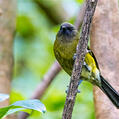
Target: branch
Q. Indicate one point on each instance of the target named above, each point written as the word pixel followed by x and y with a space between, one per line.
pixel 81 51
pixel 49 76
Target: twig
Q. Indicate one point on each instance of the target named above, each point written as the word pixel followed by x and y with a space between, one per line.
pixel 49 76
pixel 81 51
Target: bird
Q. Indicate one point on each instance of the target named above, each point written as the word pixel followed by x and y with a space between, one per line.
pixel 64 48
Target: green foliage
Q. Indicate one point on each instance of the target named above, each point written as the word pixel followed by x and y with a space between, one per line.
pixel 26 106
pixel 16 96
pixel 80 1
pixel 25 27
pixel 56 101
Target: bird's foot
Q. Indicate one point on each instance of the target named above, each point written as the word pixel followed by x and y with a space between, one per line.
pixel 78 91
pixel 74 57
pixel 79 82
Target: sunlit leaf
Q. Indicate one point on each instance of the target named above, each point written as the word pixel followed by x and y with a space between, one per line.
pixel 80 1
pixel 15 109
pixel 25 105
pixel 31 104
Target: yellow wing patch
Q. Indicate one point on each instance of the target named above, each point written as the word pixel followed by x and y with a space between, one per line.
pixel 91 62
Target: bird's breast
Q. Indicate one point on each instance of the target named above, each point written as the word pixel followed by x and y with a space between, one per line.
pixel 64 54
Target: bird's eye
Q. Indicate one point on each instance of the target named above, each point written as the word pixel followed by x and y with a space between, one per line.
pixel 70 28
pixel 63 28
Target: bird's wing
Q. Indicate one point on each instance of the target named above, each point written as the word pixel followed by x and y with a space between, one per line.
pixel 92 54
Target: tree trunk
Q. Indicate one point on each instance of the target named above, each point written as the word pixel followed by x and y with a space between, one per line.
pixel 7 28
pixel 105 45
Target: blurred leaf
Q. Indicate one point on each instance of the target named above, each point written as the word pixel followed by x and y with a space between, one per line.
pixel 3 97
pixel 16 96
pixel 22 106
pixel 25 26
pixel 3 111
pixel 80 1
pixel 56 101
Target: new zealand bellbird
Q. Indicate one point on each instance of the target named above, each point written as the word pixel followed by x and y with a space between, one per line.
pixel 65 48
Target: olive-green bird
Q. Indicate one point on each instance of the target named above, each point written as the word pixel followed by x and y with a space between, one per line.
pixel 65 48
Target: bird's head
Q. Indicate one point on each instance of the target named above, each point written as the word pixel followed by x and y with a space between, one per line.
pixel 67 32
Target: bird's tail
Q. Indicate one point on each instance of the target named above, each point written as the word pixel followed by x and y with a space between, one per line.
pixel 110 92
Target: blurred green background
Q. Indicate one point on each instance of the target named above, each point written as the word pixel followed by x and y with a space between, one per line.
pixel 37 24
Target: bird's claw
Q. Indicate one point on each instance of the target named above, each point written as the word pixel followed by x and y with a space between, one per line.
pixel 79 82
pixel 66 91
pixel 78 91
pixel 74 57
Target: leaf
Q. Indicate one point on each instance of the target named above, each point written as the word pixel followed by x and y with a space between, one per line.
pixel 3 111
pixel 15 109
pixel 80 1
pixel 25 105
pixel 3 97
pixel 31 104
